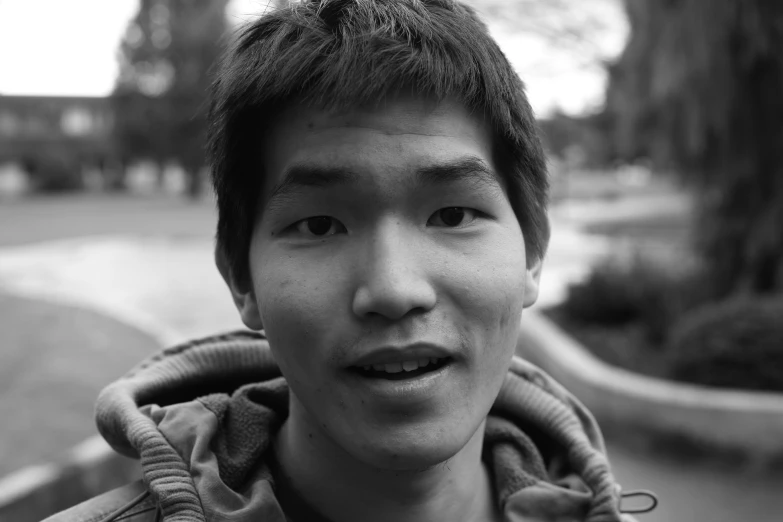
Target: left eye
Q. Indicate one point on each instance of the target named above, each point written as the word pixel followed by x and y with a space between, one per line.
pixel 452 217
pixel 320 226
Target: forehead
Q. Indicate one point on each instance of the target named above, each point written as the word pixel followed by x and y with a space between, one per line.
pixel 397 136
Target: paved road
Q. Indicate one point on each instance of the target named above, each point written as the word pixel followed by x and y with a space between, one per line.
pixel 170 285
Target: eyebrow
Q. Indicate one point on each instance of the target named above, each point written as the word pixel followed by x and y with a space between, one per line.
pixel 306 175
pixel 469 168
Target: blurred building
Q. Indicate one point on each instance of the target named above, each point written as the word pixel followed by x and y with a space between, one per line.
pixel 76 127
pixel 52 143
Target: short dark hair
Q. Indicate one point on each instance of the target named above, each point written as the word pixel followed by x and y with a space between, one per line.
pixel 347 53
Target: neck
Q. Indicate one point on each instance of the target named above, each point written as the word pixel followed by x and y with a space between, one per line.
pixel 343 489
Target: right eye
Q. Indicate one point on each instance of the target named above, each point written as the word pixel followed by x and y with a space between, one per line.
pixel 453 217
pixel 319 226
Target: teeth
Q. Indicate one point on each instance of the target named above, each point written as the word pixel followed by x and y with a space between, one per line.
pixel 398 367
pixel 393 367
pixel 409 366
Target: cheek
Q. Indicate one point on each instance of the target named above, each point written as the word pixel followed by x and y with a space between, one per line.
pixel 491 302
pixel 496 286
pixel 289 295
pixel 504 299
pixel 295 316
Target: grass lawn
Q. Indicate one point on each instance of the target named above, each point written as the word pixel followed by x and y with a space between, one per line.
pixel 625 346
pixel 55 359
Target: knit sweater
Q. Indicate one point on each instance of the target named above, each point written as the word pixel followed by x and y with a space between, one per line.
pixel 202 416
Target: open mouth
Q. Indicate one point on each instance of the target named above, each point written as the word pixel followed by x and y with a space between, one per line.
pixel 398 371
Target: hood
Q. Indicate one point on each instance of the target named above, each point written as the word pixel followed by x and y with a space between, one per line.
pixel 201 417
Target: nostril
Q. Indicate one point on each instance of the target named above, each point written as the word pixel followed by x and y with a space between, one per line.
pixel 393 295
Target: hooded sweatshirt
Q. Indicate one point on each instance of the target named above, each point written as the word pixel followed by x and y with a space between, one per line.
pixel 202 417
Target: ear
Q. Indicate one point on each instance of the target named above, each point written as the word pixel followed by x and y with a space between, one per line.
pixel 241 292
pixel 532 278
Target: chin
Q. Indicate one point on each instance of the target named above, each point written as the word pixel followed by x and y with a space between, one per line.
pixel 413 452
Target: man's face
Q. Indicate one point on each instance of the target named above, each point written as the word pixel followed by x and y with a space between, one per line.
pixel 388 270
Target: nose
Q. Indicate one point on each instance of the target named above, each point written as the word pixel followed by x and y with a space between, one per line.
pixel 394 279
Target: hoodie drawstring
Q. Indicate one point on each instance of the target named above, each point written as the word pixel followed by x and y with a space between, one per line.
pixel 639 493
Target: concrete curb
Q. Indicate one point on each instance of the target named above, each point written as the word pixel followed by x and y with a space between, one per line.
pixel 89 469
pixel 740 423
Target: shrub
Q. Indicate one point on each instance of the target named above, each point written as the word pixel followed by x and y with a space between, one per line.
pixel 55 172
pixel 635 289
pixel 605 297
pixel 736 343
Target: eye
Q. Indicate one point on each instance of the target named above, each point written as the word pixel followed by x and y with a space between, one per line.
pixel 319 226
pixel 452 217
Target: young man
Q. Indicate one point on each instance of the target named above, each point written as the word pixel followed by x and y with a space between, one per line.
pixel 382 221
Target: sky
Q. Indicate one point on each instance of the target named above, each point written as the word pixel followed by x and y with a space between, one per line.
pixel 68 47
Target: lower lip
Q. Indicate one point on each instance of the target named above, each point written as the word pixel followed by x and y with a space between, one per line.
pixel 415 389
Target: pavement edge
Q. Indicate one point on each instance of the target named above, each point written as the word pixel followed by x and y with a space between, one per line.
pixel 745 426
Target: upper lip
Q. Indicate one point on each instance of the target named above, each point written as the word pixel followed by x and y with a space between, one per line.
pixel 393 354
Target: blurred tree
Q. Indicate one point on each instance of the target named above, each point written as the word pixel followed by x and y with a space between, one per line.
pixel 159 98
pixel 699 87
pixel 562 132
pixel 572 29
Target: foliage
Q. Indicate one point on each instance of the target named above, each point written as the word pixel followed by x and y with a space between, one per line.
pixel 572 29
pixel 636 289
pixel 648 318
pixel 698 88
pixel 160 96
pixel 55 171
pixel 734 343
pixel 626 346
pixel 561 132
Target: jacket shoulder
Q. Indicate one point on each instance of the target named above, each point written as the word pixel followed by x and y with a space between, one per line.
pixel 131 503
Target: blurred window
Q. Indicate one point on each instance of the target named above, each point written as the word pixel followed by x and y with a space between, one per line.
pixel 76 121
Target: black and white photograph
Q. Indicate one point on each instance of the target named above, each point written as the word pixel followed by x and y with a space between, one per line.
pixel 391 260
